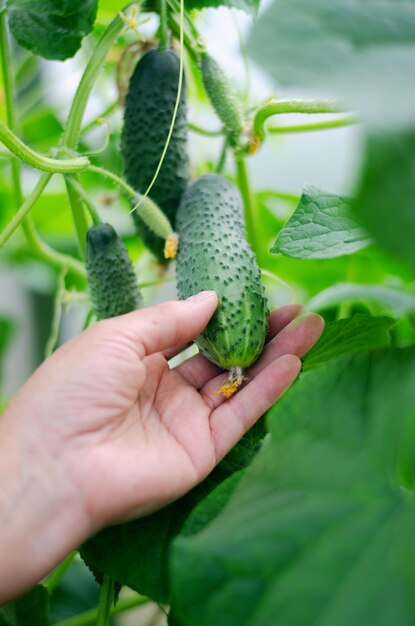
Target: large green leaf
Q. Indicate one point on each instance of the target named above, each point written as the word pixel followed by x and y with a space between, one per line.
pixel 321 227
pixel 50 29
pixel 345 336
pixel 31 608
pixel 136 554
pixel 250 6
pixel 362 50
pixel 319 529
pixel 386 192
pixel 379 297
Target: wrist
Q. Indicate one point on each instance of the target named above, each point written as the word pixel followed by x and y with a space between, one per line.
pixel 41 518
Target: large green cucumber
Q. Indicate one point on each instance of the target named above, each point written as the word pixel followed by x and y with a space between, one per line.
pixel 214 254
pixel 148 113
pixel 111 277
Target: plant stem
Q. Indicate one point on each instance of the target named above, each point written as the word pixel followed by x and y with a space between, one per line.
pixel 8 96
pixel 76 114
pixel 322 125
pixel 36 160
pixel 204 131
pixel 116 179
pixel 189 43
pixel 39 247
pixel 222 156
pixel 164 30
pixel 25 208
pixel 89 618
pixel 281 195
pixel 95 63
pixel 276 107
pixel 93 123
pixel 198 44
pixel 148 210
pixel 43 251
pixel 78 215
pixel 71 180
pixel 248 200
pixel 55 577
pixel 106 600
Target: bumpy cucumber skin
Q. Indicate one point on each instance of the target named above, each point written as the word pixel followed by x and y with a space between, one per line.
pixel 148 113
pixel 222 95
pixel 111 277
pixel 214 254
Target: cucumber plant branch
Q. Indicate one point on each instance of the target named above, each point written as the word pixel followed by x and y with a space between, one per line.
pixel 277 107
pixel 36 160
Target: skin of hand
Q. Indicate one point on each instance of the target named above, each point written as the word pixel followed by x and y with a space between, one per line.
pixel 105 431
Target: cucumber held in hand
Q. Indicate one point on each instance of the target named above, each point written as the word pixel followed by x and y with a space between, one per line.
pixel 214 255
pixel 149 108
pixel 111 277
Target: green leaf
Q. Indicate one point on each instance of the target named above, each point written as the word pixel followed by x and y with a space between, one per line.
pixel 50 29
pixel 31 608
pixel 385 196
pixel 363 51
pixel 345 336
pixel 319 529
pixel 136 554
pixel 384 299
pixel 250 6
pixel 321 227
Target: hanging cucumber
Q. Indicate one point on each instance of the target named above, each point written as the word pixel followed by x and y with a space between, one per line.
pixel 223 96
pixel 214 254
pixel 111 277
pixel 148 114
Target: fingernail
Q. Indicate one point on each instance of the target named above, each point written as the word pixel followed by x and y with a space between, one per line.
pixel 203 295
pixel 303 317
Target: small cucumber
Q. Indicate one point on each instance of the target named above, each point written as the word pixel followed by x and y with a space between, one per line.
pixel 223 96
pixel 149 108
pixel 214 254
pixel 111 277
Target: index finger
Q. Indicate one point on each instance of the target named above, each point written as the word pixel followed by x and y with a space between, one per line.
pixel 170 324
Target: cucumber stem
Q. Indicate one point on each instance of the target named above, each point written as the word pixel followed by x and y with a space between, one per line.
pixel 164 29
pixel 36 160
pixel 76 114
pixel 56 322
pixel 38 246
pixel 89 618
pixel 276 107
pixel 71 180
pixel 93 123
pixel 147 209
pixel 8 89
pixel 106 600
pixel 54 577
pixel 222 156
pixel 24 209
pixel 204 131
pixel 242 176
pixel 322 125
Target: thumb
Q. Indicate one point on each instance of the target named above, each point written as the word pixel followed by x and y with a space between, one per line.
pixel 169 324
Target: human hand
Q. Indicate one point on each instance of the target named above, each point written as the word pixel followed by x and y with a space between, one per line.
pixel 118 434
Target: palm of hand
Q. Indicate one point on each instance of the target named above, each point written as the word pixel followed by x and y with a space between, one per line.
pixel 138 434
